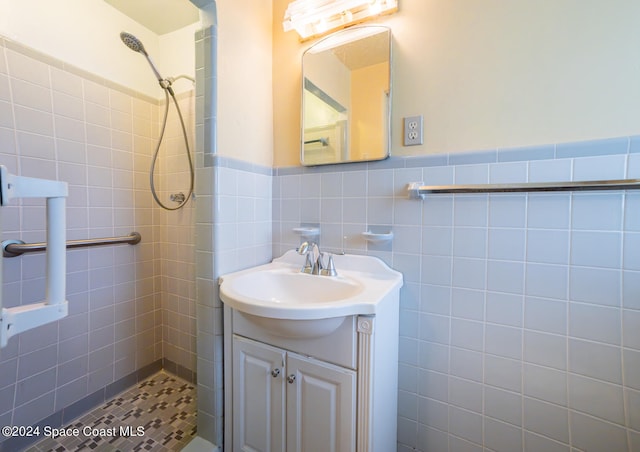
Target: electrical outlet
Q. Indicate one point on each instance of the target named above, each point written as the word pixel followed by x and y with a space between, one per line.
pixel 413 134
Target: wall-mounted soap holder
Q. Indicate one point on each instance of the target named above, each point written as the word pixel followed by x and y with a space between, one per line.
pixel 308 233
pixel 374 237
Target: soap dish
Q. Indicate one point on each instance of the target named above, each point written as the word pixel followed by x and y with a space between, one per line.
pixel 307 232
pixel 377 237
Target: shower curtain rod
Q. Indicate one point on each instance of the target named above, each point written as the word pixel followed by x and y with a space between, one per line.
pixel 14 248
pixel 417 190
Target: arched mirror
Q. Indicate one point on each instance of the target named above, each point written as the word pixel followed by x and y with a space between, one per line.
pixel 346 97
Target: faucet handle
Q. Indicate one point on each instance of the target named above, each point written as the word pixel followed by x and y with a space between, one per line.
pixel 331 268
pixel 308 264
pixel 306 249
pixel 318 266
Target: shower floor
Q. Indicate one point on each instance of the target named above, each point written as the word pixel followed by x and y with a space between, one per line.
pixel 161 410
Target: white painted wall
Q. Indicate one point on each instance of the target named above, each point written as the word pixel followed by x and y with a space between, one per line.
pixel 85 34
pixel 245 87
pixel 493 74
pixel 502 73
pixel 177 56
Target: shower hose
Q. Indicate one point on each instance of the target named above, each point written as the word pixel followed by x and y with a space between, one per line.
pixel 168 91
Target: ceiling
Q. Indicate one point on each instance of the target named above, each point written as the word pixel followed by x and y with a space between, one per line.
pixel 364 52
pixel 159 16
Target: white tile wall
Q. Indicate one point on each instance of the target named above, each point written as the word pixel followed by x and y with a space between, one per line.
pixel 234 225
pixel 176 266
pixel 519 313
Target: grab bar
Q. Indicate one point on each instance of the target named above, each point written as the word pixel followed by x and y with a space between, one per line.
pixel 417 190
pixel 21 318
pixel 14 248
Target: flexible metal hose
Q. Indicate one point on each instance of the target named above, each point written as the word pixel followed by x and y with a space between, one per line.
pixel 168 91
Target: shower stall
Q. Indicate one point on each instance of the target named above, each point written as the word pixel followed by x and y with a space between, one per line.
pixel 97 121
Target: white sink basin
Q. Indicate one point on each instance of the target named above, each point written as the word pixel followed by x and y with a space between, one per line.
pixel 286 286
pixel 279 290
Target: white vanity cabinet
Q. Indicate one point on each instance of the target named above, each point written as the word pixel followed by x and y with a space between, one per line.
pixel 336 392
pixel 285 401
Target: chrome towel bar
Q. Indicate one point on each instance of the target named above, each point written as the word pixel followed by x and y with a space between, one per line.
pixel 417 190
pixel 14 248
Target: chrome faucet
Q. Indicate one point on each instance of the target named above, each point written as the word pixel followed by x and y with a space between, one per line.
pixel 314 261
pixel 306 249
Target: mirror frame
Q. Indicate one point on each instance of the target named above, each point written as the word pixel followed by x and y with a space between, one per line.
pixel 343 38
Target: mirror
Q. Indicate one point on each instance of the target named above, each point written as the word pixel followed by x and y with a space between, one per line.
pixel 346 97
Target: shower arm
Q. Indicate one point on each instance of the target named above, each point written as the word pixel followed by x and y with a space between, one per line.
pixel 178 77
pixel 167 83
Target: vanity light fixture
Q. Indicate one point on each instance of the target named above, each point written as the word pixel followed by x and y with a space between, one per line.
pixel 312 18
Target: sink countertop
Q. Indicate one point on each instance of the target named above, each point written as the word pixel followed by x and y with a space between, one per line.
pixel 280 290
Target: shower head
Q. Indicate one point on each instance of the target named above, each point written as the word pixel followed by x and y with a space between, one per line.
pixel 136 45
pixel 132 42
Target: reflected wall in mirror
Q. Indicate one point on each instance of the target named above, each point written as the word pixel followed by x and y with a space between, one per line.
pixel 346 97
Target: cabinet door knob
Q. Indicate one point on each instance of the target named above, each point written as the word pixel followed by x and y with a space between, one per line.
pixel 275 373
pixel 291 378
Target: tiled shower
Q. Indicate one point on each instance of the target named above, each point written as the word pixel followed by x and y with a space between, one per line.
pixel 131 308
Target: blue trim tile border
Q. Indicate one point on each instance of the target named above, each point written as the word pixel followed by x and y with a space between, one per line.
pixel 527 153
pixel 634 145
pixel 241 165
pixel 593 148
pixel 590 148
pixel 473 157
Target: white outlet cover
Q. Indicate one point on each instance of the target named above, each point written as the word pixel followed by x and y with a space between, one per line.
pixel 413 131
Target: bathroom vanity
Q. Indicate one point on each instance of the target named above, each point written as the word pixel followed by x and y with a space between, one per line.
pixel 312 381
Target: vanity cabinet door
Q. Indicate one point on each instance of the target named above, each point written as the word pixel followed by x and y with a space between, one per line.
pixel 321 406
pixel 258 397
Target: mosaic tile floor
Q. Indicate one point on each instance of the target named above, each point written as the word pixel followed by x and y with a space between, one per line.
pixel 158 414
